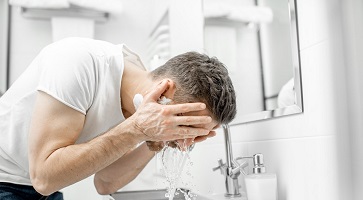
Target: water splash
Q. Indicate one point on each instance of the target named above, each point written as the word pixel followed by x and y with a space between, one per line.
pixel 188 195
pixel 174 158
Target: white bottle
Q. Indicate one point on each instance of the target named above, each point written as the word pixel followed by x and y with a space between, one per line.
pixel 260 185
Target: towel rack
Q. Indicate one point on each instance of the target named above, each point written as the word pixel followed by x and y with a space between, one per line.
pixel 72 11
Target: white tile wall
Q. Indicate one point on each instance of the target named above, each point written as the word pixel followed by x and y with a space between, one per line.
pixel 305 167
pixel 313 20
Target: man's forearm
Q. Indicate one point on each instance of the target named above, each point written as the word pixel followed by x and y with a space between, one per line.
pixel 123 171
pixel 73 163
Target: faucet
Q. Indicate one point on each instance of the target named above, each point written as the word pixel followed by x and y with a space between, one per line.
pixel 231 169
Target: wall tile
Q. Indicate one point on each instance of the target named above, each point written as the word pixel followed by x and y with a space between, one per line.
pixel 22 60
pixel 306 167
pixel 315 18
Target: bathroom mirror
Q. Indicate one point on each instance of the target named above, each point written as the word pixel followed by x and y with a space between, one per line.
pixel 258 42
pixel 3 45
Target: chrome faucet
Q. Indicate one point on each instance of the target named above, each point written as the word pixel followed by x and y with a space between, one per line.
pixel 231 169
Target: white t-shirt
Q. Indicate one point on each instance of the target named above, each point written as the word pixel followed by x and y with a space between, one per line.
pixel 84 74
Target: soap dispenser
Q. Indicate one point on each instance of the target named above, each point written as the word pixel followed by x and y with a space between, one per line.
pixel 260 185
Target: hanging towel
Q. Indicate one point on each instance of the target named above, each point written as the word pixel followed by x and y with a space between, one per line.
pixel 40 3
pixel 219 9
pixel 111 6
pixel 256 14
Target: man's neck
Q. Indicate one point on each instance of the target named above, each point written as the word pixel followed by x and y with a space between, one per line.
pixel 134 81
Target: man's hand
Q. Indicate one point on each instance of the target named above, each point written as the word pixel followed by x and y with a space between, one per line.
pixel 182 144
pixel 156 122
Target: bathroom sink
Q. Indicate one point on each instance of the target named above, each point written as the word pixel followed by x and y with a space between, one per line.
pixel 152 195
pixel 159 194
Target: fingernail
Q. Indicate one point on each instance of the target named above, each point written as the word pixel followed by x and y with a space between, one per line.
pixel 203 106
pixel 162 82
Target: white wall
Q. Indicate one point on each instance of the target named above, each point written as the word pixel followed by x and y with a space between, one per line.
pixel 309 152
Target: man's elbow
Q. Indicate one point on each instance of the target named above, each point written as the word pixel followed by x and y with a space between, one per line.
pixel 41 185
pixel 103 188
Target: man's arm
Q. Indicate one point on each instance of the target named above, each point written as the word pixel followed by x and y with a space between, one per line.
pixel 123 171
pixel 128 167
pixel 55 161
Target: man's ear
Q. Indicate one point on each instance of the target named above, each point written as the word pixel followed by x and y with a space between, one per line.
pixel 170 90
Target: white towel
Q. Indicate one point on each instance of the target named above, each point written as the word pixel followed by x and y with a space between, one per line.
pixel 256 14
pixel 212 9
pixel 219 9
pixel 111 6
pixel 40 3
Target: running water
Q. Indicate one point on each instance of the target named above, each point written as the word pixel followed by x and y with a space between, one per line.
pixel 174 160
pixel 174 157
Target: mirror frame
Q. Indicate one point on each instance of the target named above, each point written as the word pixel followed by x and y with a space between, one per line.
pixel 295 48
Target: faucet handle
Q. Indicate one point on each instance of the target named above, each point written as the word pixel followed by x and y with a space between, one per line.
pixel 239 167
pixel 220 166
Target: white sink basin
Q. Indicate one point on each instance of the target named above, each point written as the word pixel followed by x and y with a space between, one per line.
pixel 160 195
pixel 222 197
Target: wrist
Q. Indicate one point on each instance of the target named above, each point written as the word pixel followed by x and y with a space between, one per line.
pixel 127 131
pixel 137 130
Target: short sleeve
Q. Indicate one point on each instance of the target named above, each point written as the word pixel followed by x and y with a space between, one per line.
pixel 69 74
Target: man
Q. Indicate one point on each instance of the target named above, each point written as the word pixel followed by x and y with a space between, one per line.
pixel 73 113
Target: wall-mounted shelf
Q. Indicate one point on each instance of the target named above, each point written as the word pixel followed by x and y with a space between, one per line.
pixel 73 11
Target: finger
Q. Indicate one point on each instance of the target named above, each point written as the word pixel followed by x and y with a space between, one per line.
pixel 189 132
pixel 191 120
pixel 212 134
pixel 202 138
pixel 189 141
pixel 156 92
pixel 185 107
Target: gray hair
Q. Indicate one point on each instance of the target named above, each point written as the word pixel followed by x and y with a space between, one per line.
pixel 199 77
